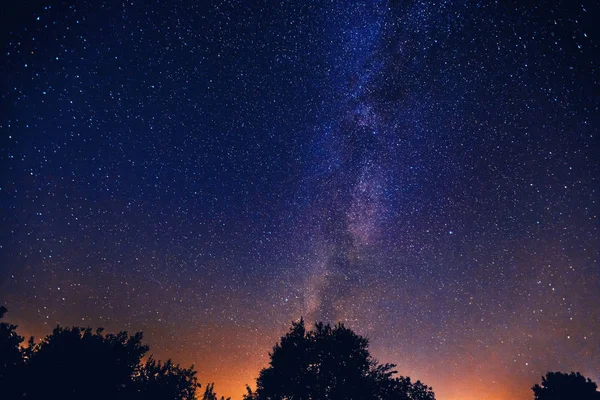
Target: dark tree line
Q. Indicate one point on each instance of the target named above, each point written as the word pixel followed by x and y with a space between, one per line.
pixel 78 363
pixel 325 363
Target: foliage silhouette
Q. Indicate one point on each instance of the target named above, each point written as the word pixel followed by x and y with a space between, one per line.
pixel 209 393
pixel 158 380
pixel 330 363
pixel 75 363
pixel 561 386
pixel 87 363
pixel 11 358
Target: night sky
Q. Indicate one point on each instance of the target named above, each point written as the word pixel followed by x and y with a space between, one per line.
pixel 208 172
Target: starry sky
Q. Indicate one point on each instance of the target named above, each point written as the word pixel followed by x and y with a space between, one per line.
pixel 209 171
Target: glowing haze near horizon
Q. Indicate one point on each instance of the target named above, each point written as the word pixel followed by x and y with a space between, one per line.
pixel 208 172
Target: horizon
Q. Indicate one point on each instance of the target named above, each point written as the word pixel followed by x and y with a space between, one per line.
pixel 235 389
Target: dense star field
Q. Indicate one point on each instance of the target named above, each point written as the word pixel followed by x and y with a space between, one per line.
pixel 208 172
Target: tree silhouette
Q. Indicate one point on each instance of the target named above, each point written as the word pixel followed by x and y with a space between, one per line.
pixel 209 393
pixel 330 363
pixel 75 363
pixel 561 386
pixel 11 358
pixel 158 380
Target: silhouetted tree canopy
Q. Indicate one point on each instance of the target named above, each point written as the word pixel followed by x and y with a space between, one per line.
pixel 77 363
pixel 11 357
pixel 158 380
pixel 561 386
pixel 85 361
pixel 330 363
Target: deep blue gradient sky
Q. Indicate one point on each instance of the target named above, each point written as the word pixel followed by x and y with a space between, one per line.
pixel 208 172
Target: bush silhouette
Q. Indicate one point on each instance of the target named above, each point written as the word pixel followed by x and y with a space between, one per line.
pixel 330 363
pixel 561 386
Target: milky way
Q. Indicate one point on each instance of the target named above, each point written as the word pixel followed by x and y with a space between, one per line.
pixel 208 172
